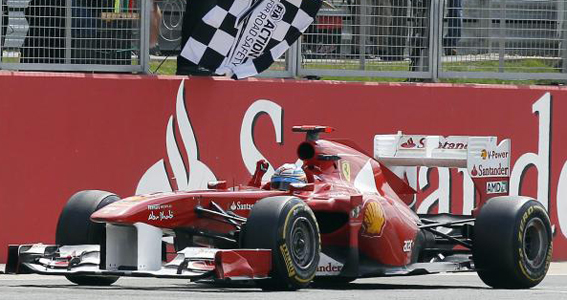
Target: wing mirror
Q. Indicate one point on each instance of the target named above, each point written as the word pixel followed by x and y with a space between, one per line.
pixel 217 185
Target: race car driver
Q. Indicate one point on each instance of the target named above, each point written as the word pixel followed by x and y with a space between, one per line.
pixel 286 175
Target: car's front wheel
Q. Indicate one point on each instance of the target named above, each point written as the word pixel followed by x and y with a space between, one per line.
pixel 76 228
pixel 288 227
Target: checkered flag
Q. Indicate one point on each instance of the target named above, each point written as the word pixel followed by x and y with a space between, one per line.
pixel 241 38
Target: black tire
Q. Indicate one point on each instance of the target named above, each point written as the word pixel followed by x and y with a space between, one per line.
pixel 288 227
pixel 512 245
pixel 75 228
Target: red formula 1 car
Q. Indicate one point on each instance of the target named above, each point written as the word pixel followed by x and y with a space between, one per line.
pixel 349 220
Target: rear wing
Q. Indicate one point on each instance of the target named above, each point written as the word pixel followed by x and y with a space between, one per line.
pixel 487 162
pixel 481 155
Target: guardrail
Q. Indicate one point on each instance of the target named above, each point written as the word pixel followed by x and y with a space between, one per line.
pixel 425 39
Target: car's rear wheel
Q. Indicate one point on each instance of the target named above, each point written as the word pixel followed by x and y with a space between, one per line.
pixel 75 228
pixel 288 227
pixel 512 244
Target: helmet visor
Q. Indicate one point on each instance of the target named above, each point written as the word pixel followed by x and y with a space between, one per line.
pixel 282 183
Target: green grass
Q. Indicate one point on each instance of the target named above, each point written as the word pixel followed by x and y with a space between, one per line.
pixel 167 68
pixel 517 66
pixel 510 66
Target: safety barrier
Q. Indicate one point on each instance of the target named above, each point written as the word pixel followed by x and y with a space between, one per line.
pixel 61 133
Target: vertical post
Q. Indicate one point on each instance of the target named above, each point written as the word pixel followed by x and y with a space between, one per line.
pixel 485 30
pixel 68 31
pixel 363 31
pixel 293 59
pixel 145 12
pixel 435 38
pixel 502 41
pixel 1 37
pixel 562 27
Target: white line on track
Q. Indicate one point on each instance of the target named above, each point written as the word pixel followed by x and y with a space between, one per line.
pixel 474 274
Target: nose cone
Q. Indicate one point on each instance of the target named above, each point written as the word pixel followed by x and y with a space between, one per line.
pixel 123 211
pixel 167 210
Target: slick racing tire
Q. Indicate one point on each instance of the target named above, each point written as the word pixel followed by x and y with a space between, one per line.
pixel 288 227
pixel 512 244
pixel 76 228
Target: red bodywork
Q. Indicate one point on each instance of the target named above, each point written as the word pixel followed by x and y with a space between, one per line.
pixel 355 199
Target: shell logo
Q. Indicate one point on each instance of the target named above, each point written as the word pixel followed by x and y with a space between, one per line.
pixel 374 220
pixel 484 154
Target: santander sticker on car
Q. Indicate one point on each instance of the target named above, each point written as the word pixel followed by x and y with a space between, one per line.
pixel 486 159
pixel 234 206
pixel 328 266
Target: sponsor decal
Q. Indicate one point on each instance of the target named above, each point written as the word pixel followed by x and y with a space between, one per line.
pixel 329 268
pixel 158 206
pixel 474 172
pixel 452 145
pixel 287 260
pixel 492 160
pixel 199 252
pixel 355 212
pixel 484 154
pixel 339 195
pixel 240 206
pixel 345 170
pixel 160 216
pixel 497 187
pixel 494 154
pixel 374 220
pixel 522 256
pixel 498 171
pixel 410 144
pixel 445 143
pixel 408 244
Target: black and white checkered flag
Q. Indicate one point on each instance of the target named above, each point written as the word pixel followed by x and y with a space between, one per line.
pixel 241 38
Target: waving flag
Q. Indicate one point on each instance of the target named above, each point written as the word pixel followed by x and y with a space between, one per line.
pixel 242 38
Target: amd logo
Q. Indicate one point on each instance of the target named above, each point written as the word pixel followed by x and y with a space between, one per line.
pixel 497 187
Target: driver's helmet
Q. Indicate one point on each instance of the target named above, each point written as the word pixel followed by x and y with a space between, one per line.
pixel 286 175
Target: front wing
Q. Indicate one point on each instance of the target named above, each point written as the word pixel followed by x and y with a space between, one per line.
pixel 191 263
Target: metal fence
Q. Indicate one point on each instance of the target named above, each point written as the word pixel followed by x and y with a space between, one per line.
pixel 370 38
pixel 74 35
pixel 510 40
pixel 432 39
pixel 425 39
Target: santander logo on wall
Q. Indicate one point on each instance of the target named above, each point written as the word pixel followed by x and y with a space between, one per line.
pixel 197 174
pixel 156 178
pixel 440 197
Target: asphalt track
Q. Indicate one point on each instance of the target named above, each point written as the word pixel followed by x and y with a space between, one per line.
pixel 443 286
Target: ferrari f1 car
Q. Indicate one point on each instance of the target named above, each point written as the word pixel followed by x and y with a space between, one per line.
pixel 349 220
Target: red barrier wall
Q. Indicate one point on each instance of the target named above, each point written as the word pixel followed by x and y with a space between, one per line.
pixel 62 133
